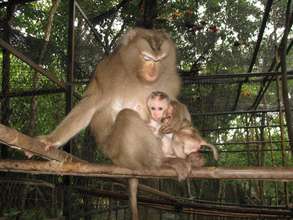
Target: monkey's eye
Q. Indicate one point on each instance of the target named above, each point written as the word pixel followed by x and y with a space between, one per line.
pixel 153 108
pixel 160 108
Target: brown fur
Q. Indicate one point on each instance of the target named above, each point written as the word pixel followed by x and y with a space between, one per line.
pixel 187 139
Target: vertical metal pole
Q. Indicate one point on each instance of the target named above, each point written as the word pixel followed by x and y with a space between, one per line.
pixel 286 100
pixel 5 105
pixel 70 62
pixel 282 132
pixel 69 102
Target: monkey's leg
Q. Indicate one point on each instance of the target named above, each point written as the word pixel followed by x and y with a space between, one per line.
pixel 132 144
pixel 179 149
pixel 181 167
pixel 133 184
pixel 79 117
pixel 196 160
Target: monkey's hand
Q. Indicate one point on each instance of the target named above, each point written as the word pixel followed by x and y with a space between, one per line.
pixel 172 126
pixel 196 160
pixel 48 141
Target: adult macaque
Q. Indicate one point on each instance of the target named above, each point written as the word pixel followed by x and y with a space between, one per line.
pixel 114 103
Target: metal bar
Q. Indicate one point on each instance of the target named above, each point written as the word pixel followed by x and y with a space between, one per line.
pixel 283 63
pixel 236 128
pixel 5 103
pixel 204 208
pixel 267 81
pixel 31 63
pixel 250 150
pixel 4 4
pixel 99 40
pixel 249 142
pixel 32 93
pixel 35 66
pixel 67 181
pixel 237 112
pixel 257 46
pixel 185 75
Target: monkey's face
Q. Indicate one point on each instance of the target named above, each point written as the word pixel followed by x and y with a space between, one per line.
pixel 151 48
pixel 157 107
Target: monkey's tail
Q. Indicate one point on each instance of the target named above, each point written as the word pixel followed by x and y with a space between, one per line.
pixel 214 149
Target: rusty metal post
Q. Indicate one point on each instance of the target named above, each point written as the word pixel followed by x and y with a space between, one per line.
pixel 69 102
pixel 5 105
pixel 282 52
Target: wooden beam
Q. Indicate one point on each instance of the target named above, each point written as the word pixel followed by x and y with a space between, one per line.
pixel 20 141
pixel 91 169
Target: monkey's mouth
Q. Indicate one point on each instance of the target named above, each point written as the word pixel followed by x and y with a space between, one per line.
pixel 151 72
pixel 149 77
pixel 152 76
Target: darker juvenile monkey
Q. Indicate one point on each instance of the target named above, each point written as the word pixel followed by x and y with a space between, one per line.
pixel 187 139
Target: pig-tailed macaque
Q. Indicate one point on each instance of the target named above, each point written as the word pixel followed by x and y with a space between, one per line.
pixel 114 103
pixel 187 139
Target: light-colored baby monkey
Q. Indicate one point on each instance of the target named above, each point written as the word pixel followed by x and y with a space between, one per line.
pixel 180 143
pixel 158 103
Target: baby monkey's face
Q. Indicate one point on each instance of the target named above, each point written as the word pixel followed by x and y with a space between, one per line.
pixel 157 108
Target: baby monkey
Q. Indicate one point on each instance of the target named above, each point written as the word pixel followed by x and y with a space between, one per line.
pixel 187 139
pixel 182 142
pixel 158 103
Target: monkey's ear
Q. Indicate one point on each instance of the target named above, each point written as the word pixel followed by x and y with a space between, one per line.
pixel 128 36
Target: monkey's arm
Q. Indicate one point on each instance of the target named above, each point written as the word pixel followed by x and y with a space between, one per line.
pixel 76 120
pixel 180 117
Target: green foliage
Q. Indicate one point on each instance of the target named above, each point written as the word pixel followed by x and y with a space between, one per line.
pixel 29 214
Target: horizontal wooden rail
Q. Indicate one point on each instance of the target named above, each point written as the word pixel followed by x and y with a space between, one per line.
pixel 20 141
pixel 91 169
